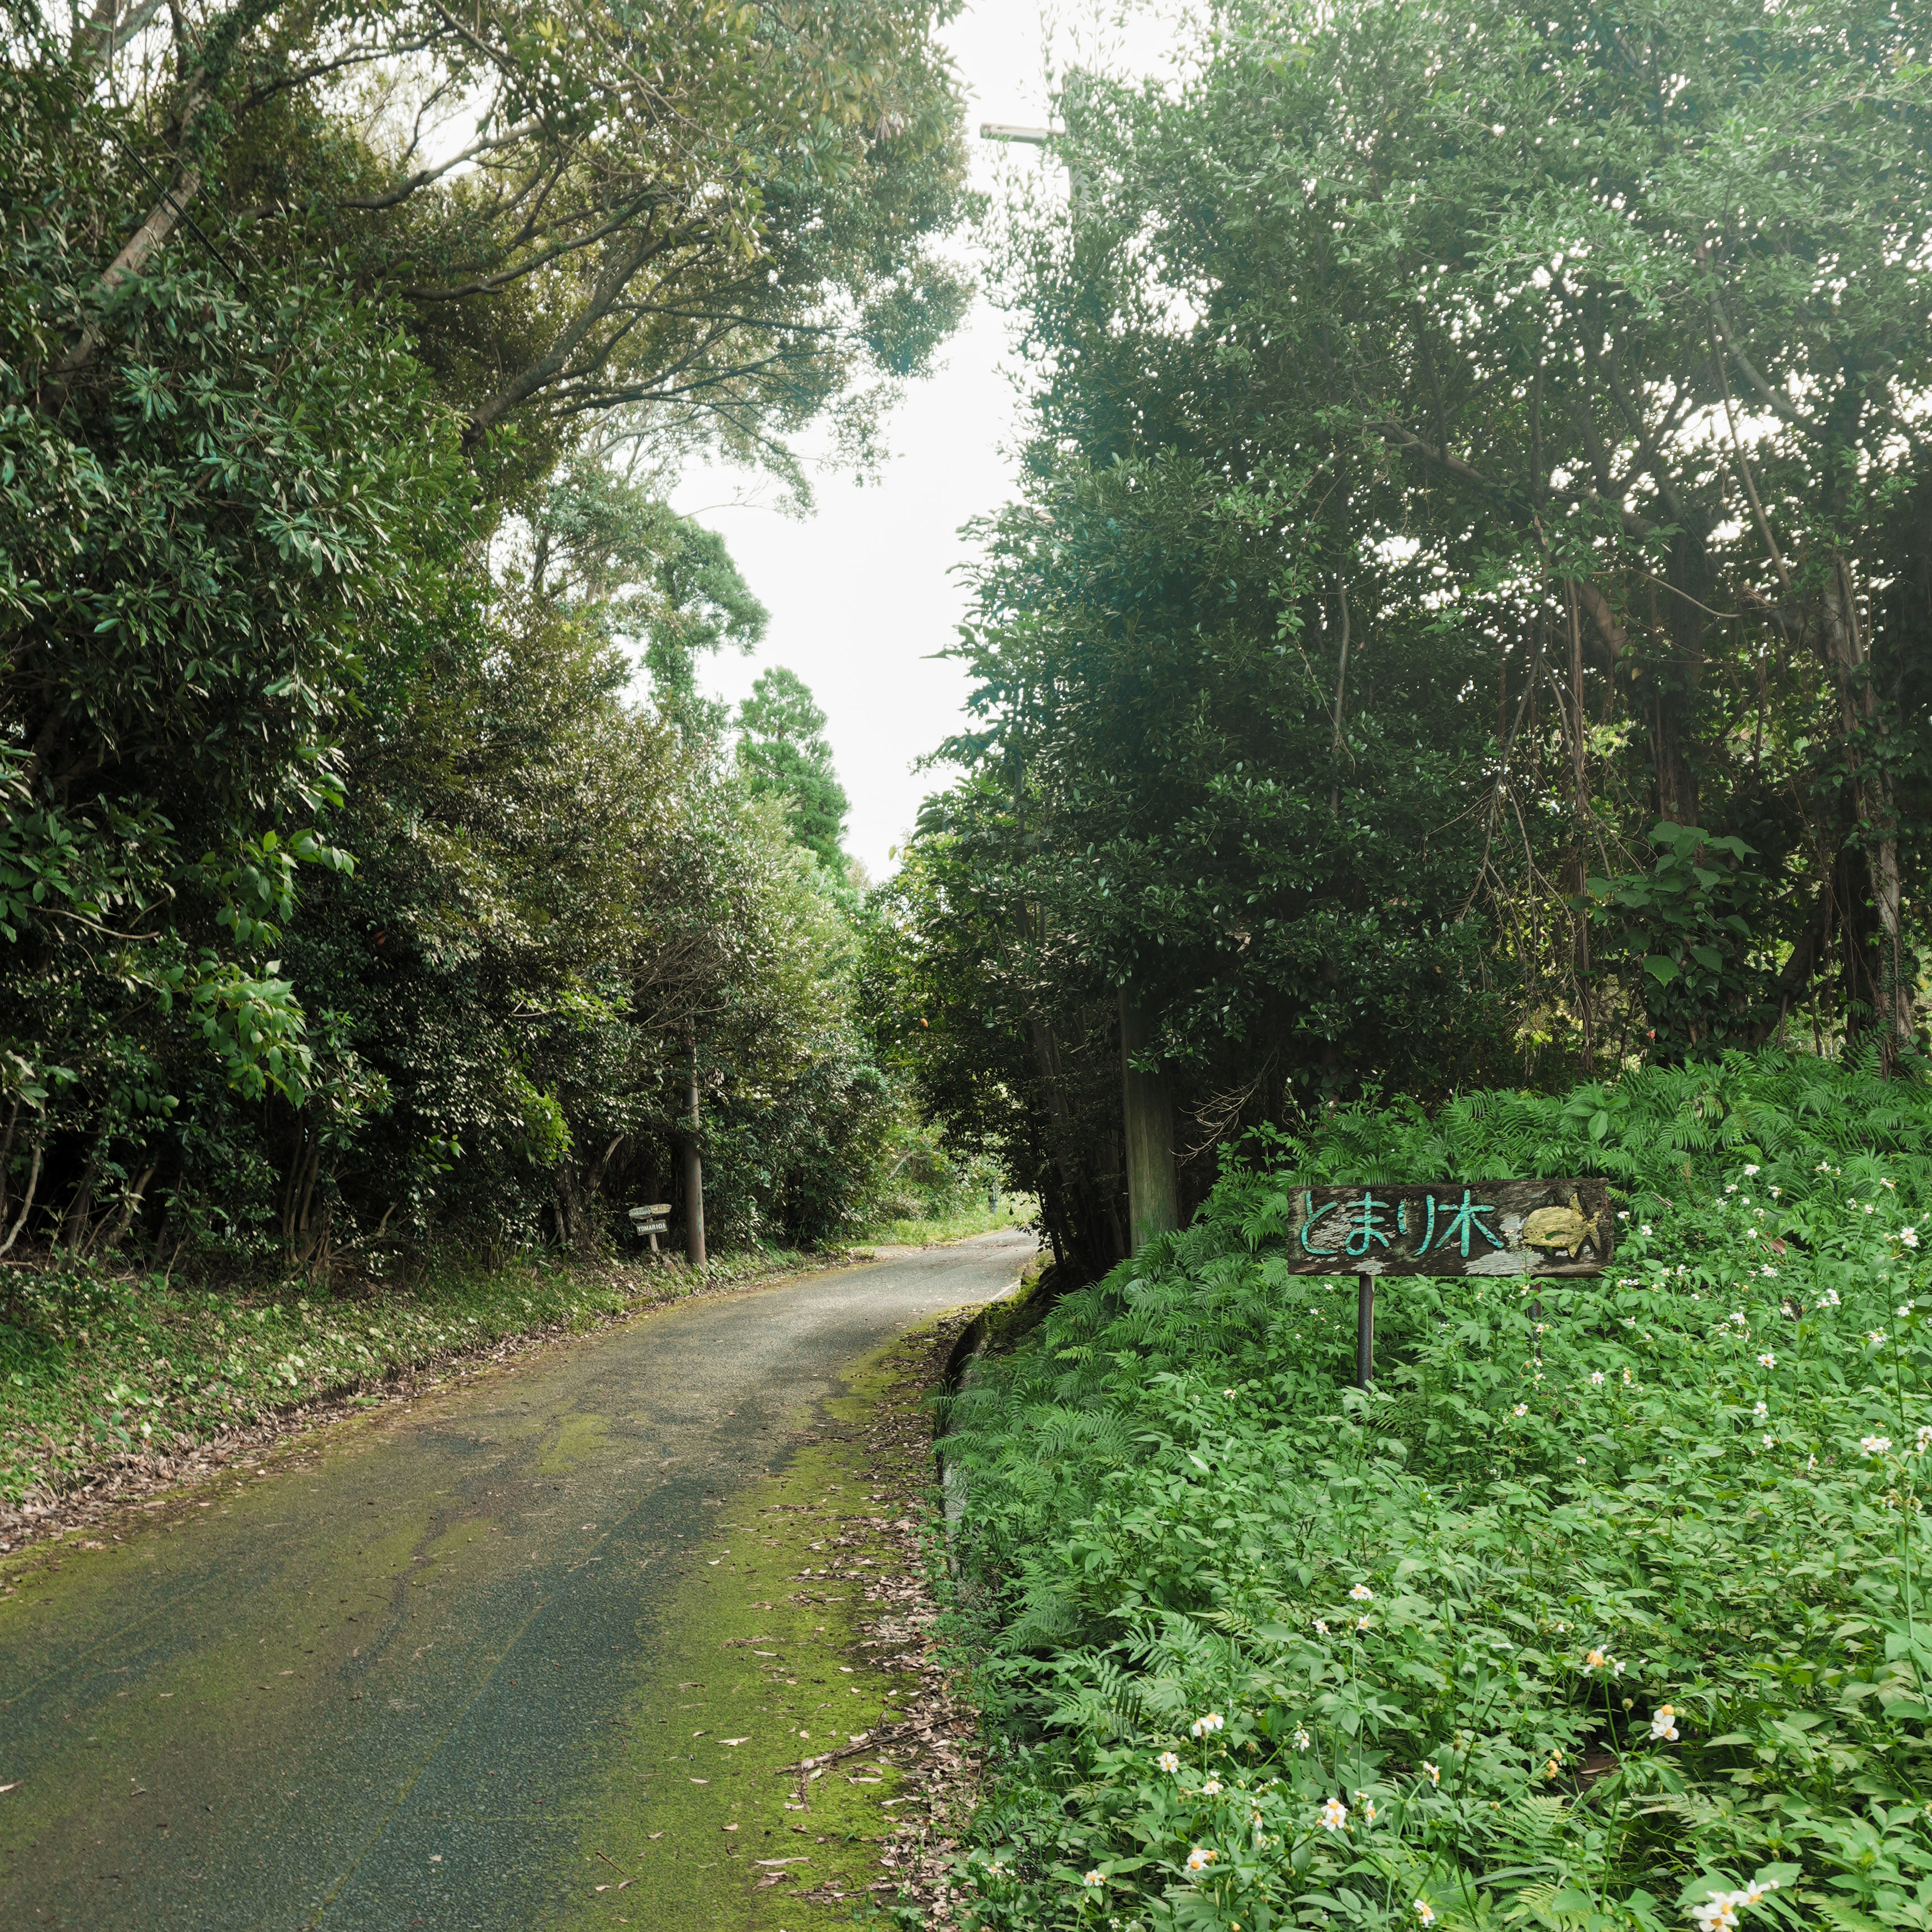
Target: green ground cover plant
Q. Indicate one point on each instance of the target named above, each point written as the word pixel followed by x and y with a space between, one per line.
pixel 1601 1609
pixel 961 1223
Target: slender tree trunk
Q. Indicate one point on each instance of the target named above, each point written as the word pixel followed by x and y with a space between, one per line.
pixel 1871 797
pixel 594 1182
pixel 27 1205
pixel 1341 699
pixel 1580 855
pixel 694 1171
pixel 1147 1106
pixel 7 1157
pixel 555 362
pixel 75 1224
pixel 131 1206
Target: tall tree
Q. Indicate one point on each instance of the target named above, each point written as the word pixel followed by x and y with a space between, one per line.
pixel 1467 599
pixel 783 751
pixel 285 367
pixel 712 208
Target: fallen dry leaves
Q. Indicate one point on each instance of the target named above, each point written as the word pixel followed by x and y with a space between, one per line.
pixel 933 1747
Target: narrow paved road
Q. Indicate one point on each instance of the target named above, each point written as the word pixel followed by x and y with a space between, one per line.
pixel 376 1686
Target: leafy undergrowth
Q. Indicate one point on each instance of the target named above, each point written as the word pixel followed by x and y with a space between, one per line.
pixel 98 1364
pixel 1600 1611
pixel 1014 1210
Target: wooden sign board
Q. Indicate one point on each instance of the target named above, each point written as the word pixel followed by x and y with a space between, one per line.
pixel 650 1213
pixel 1540 1227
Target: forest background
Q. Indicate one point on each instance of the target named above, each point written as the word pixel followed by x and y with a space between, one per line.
pixel 1464 622
pixel 352 904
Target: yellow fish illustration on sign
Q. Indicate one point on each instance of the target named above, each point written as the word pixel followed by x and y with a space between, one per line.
pixel 1567 1228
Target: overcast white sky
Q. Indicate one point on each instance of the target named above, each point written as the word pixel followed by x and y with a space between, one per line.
pixel 864 593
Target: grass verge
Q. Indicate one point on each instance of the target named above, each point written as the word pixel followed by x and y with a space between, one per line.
pixel 1015 1210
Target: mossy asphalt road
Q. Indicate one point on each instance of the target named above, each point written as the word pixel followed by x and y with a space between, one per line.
pixel 387 1677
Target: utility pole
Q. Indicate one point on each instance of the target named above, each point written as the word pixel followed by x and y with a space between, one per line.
pixel 693 1169
pixel 1147 1104
pixel 1071 81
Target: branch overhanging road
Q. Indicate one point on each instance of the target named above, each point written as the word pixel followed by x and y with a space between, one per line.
pixel 379 1684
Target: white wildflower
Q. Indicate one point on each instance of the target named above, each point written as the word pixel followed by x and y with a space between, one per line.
pixel 1361 1594
pixel 1200 1857
pixel 1167 1761
pixel 1663 1723
pixel 1874 1445
pixel 1334 1815
pixel 1206 1726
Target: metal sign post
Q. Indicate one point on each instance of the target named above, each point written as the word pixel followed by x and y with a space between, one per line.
pixel 1535 1229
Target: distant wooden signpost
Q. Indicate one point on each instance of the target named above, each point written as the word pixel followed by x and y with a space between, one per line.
pixel 1532 1229
pixel 650 1221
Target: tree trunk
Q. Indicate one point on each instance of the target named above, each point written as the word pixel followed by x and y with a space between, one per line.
pixel 7 1157
pixel 131 1206
pixel 1146 1107
pixel 693 1175
pixel 1850 665
pixel 1675 682
pixel 75 1224
pixel 27 1205
pixel 555 362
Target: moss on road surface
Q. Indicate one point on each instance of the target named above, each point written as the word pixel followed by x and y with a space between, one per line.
pixel 463 1662
pixel 770 1659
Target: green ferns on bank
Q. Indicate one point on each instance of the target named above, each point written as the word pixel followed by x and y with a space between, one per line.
pixel 1604 1607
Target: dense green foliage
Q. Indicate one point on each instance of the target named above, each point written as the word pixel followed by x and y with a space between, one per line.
pixel 783 752
pixel 371 869
pixel 1604 1600
pixel 1474 471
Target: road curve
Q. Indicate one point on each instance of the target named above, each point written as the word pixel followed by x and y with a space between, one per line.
pixel 375 1683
